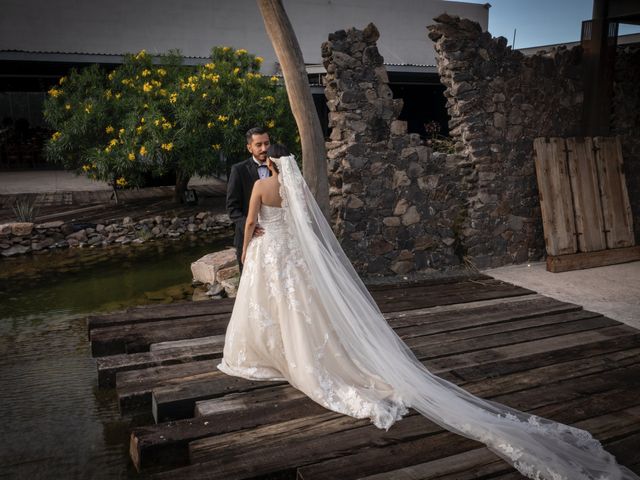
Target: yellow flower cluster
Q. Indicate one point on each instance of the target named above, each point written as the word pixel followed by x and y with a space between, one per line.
pixel 62 80
pixel 111 75
pixel 139 129
pixel 113 142
pixel 236 122
pixel 121 182
pixel 162 72
pixel 121 132
pixel 252 75
pixel 222 118
pixel 269 99
pixel 131 156
pixel 147 87
pixel 143 150
pixel 56 136
pixel 86 168
pixel 126 81
pixel 226 49
pixel 271 124
pixel 54 92
pixel 236 71
pixel 67 106
pixel 141 54
pixel 210 125
pixel 88 108
pixel 146 72
pixel 167 146
pixel 212 77
pixel 173 98
pixel 216 146
pixel 118 95
pixel 210 66
pixel 108 94
pixel 192 83
pixel 166 125
pixel 109 129
pixel 274 79
pixel 259 60
pixel 241 51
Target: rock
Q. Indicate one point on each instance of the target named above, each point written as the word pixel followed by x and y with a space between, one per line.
pixel 400 179
pixel 391 221
pixel 72 242
pixel 50 225
pixel 15 250
pixel 215 289
pixel 21 229
pixel 205 269
pixel 231 286
pixel 402 267
pixel 5 229
pixel 80 235
pixel 100 228
pixel 228 272
pixel 127 221
pixel 401 207
pixel 45 243
pixel 354 202
pixel 398 127
pixel 192 227
pixel 411 216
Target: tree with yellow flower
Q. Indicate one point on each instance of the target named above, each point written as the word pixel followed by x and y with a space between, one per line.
pixel 144 120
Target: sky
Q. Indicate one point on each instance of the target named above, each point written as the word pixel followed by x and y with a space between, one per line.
pixel 541 22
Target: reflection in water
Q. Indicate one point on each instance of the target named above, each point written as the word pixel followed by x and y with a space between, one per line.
pixel 56 422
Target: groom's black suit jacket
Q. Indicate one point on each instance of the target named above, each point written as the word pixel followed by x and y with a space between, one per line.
pixel 241 179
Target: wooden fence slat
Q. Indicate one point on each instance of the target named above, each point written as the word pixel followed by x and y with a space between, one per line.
pixel 586 195
pixel 554 189
pixel 616 208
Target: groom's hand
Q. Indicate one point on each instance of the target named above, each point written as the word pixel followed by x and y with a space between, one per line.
pixel 258 231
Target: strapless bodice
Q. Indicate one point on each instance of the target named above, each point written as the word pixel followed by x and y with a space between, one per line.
pixel 270 218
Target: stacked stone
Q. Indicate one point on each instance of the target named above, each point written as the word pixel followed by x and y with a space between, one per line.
pixel 20 238
pixel 395 205
pixel 499 101
pixel 625 121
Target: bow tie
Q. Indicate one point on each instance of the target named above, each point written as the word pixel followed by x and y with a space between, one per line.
pixel 262 166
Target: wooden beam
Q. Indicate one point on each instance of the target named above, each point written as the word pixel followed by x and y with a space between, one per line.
pixel 577 261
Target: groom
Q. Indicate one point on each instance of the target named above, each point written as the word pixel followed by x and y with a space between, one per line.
pixel 241 179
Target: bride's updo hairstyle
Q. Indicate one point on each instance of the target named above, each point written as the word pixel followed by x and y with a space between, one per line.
pixel 276 151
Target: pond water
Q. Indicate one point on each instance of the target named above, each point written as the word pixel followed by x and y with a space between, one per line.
pixel 56 422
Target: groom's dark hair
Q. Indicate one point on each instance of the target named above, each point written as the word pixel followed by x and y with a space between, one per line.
pixel 277 150
pixel 254 131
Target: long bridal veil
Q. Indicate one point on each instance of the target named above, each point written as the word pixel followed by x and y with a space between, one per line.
pixel 537 447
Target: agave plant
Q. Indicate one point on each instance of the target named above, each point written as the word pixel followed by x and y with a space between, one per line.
pixel 25 209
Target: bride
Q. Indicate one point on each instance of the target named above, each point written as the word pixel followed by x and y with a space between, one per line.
pixel 303 315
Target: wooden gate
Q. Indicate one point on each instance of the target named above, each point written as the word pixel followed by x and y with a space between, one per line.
pixel 584 201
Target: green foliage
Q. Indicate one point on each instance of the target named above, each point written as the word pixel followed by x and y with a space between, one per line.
pixel 25 209
pixel 143 118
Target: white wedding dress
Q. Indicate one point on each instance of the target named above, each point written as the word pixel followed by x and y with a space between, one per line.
pixel 303 315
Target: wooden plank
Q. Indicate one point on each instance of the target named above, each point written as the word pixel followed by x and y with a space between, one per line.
pixel 273 404
pixel 524 349
pixel 616 208
pixel 137 337
pixel 191 342
pixel 368 461
pixel 152 313
pixel 554 190
pixel 178 401
pixel 134 394
pixel 111 365
pixel 277 447
pixel 166 444
pixel 134 387
pixel 577 261
pixel 586 194
pixel 505 366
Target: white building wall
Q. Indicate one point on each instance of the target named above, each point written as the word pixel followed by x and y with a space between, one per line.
pixel 194 26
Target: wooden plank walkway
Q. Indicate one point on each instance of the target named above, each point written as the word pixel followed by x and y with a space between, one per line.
pixel 496 340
